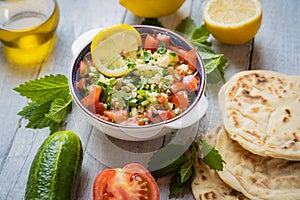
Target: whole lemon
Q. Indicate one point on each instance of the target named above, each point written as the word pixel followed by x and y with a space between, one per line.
pixel 232 21
pixel 152 8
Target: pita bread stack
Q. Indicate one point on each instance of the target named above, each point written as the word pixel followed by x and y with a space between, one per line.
pixel 259 138
pixel 261 110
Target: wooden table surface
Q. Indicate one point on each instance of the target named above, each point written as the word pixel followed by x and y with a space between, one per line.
pixel 276 47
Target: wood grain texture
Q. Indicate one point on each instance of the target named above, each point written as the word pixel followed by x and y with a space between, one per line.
pixel 277 44
pixel 276 47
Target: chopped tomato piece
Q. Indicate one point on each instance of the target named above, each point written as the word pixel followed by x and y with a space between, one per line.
pixel 176 87
pixel 162 98
pixel 93 96
pixel 190 57
pixel 81 83
pixel 151 43
pixel 180 99
pixel 132 182
pixel 157 115
pixel 104 117
pixel 165 115
pixel 153 115
pixel 138 120
pixel 117 116
pixel 177 77
pixel 97 108
pixel 82 68
pixel 190 82
pixel 181 73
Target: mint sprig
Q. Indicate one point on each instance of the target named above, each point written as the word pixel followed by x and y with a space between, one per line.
pixel 198 36
pixel 49 103
pixel 182 169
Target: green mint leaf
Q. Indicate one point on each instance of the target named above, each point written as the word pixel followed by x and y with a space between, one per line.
pixel 152 22
pixel 59 109
pixel 200 34
pixel 211 156
pixel 38 118
pixel 177 188
pixel 28 110
pixel 212 63
pixel 205 55
pixel 214 74
pixel 203 47
pixel 221 66
pixel 186 27
pixel 44 89
pixel 186 172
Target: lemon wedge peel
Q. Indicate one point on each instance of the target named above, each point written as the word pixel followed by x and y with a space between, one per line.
pixel 110 45
pixel 152 8
pixel 233 31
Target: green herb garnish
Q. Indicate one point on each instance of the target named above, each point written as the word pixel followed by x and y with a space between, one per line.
pixel 183 168
pixel 147 56
pixel 161 48
pixel 50 101
pixel 198 36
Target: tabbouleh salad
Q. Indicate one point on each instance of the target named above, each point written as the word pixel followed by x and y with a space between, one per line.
pixel 160 84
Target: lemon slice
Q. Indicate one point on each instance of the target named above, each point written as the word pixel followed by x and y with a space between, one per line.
pixel 233 21
pixel 111 46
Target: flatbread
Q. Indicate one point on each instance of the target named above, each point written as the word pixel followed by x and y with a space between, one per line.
pixel 207 184
pixel 255 176
pixel 261 110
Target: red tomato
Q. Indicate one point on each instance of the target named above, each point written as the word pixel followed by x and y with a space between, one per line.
pixel 151 43
pixel 190 82
pixel 176 87
pixel 180 99
pixel 117 116
pixel 82 68
pixel 190 57
pixel 132 182
pixel 97 108
pixel 158 115
pixel 93 96
pixel 152 114
pixel 162 98
pixel 138 120
pixel 165 114
pixel 181 73
pixel 177 77
pixel 81 83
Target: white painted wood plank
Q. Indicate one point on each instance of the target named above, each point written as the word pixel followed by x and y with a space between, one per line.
pixel 10 102
pixel 276 47
pixel 277 44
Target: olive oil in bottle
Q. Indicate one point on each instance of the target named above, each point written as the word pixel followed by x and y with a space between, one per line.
pixel 28 36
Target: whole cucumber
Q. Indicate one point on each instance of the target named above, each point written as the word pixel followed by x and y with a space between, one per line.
pixel 55 168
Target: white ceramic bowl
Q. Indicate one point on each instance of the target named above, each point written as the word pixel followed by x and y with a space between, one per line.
pixel 191 115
